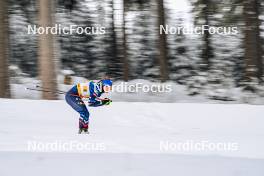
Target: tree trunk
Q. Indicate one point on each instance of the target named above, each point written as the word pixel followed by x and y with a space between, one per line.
pixel 4 76
pixel 46 51
pixel 207 52
pixel 124 55
pixel 162 44
pixel 114 61
pixel 252 41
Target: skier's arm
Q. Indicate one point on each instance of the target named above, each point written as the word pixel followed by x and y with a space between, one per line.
pixel 95 100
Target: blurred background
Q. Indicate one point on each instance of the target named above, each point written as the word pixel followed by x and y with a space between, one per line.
pixel 201 68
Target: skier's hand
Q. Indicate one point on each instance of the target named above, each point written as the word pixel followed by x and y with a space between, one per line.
pixel 106 101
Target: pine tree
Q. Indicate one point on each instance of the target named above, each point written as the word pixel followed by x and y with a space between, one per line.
pixel 46 52
pixel 247 13
pixel 4 76
pixel 252 41
pixel 162 44
pixel 142 37
pixel 203 11
pixel 24 46
pixel 124 48
pixel 180 61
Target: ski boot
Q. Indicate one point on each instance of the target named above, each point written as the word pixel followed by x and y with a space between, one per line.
pixel 83 131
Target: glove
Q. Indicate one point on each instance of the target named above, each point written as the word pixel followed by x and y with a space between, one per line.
pixel 106 101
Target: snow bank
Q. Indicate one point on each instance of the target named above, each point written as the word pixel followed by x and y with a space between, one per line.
pixel 178 93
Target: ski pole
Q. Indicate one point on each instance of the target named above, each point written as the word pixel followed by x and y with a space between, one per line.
pixel 42 90
pixel 51 91
pixel 48 89
pixel 57 91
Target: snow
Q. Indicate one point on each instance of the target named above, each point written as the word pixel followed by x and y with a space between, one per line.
pixel 127 164
pixel 125 138
pixel 178 93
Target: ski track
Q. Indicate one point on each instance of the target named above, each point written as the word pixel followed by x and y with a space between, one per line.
pixel 131 134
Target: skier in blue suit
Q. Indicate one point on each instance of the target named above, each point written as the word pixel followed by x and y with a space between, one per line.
pixel 91 90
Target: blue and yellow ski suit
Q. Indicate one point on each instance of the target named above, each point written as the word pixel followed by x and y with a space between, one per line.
pixel 90 90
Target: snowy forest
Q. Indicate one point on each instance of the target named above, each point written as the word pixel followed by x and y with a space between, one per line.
pixel 218 67
pixel 67 68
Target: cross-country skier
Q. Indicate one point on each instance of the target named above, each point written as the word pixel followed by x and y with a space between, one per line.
pixel 91 90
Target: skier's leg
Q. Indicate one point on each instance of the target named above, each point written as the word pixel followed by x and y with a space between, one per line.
pixel 78 105
pixel 84 117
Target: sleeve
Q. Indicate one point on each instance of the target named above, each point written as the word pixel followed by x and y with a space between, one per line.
pixel 94 99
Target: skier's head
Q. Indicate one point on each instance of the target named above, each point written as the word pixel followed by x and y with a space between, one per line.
pixel 106 85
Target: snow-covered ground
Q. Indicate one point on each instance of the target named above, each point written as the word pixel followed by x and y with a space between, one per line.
pixel 40 137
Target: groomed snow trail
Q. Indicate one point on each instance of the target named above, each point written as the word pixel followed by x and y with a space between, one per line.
pixel 131 135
